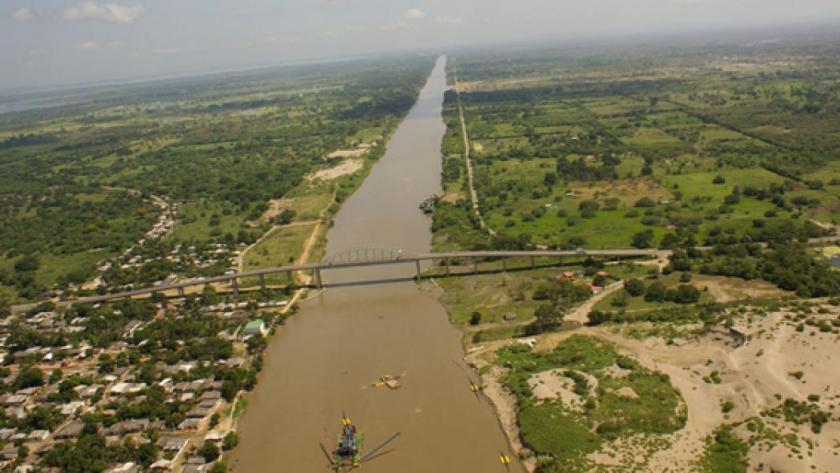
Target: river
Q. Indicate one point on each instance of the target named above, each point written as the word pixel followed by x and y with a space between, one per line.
pixel 323 360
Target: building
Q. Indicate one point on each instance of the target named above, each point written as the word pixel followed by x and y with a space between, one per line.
pixel 256 327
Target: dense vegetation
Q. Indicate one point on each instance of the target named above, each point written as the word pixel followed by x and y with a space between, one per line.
pixel 605 411
pixel 79 183
pixel 645 147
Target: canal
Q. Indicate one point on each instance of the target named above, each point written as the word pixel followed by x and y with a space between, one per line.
pixel 324 360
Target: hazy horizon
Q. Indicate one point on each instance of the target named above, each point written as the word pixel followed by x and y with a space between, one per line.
pixel 58 43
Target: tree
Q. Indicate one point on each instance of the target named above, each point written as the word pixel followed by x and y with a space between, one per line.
pixel 548 317
pixel 286 217
pixel 146 453
pixel 669 240
pixel 645 202
pixel 29 377
pixel 656 292
pixel 597 317
pixel 220 467
pixel 27 263
pixel 635 287
pixel 719 180
pixel 5 303
pixel 230 441
pixel 55 376
pixel 475 318
pixel 686 294
pixel 643 239
pixel 209 451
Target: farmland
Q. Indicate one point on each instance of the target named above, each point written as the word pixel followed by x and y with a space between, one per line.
pixel 85 186
pixel 683 145
pixel 723 157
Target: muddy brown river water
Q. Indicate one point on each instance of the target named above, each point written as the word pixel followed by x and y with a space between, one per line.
pixel 323 361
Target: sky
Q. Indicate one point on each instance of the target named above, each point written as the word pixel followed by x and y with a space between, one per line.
pixel 64 42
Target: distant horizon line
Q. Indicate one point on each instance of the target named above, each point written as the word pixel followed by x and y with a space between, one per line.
pixel 19 93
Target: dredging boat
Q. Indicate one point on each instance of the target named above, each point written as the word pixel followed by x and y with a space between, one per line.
pixel 347 453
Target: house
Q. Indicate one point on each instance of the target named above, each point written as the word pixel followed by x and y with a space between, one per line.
pixel 38 435
pixel 509 317
pixel 214 436
pixel 194 465
pixel 70 430
pixel 173 443
pixel 256 327
pixel 71 408
pixel 566 275
pixel 167 384
pixel 127 427
pixel 161 466
pixel 211 395
pixel 129 467
pixel 193 424
pixel 127 388
pixel 201 411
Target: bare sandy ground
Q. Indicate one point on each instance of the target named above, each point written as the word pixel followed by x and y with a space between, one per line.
pixel 754 377
pixel 275 206
pixel 348 153
pixel 553 385
pixel 347 167
pixel 724 289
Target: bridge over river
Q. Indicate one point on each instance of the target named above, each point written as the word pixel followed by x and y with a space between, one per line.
pixel 373 256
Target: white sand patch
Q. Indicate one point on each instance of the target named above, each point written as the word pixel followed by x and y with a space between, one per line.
pixel 347 167
pixel 552 384
pixel 356 152
pixel 627 392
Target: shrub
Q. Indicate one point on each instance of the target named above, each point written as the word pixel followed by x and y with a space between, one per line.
pixel 635 287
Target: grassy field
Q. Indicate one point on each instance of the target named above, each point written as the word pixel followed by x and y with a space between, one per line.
pixel 224 148
pixel 609 397
pixel 562 158
pixel 280 247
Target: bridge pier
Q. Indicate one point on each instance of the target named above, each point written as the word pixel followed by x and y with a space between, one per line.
pixel 181 292
pixel 262 281
pixel 475 266
pixel 504 265
pixel 446 264
pixel 417 262
pixel 533 263
pixel 317 275
pixel 235 285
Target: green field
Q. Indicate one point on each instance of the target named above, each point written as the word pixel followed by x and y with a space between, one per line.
pixel 579 133
pixel 225 149
pixel 604 412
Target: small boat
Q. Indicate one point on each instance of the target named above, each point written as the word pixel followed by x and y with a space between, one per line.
pixel 388 381
pixel 428 204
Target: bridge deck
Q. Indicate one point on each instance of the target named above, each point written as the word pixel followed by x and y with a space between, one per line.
pixel 402 259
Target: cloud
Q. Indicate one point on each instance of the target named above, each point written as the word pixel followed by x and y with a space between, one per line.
pixel 168 51
pixel 108 12
pixel 89 46
pixel 23 14
pixel 448 20
pixel 395 25
pixel 345 30
pixel 414 14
